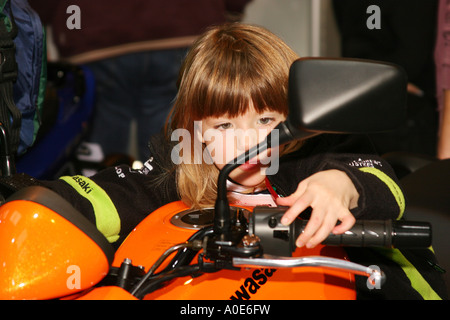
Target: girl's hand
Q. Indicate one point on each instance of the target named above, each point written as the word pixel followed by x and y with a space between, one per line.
pixel 331 194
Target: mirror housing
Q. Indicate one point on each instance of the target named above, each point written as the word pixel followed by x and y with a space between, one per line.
pixel 345 96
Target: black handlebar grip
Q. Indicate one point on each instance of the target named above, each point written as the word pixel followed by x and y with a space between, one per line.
pixel 379 233
pixel 278 239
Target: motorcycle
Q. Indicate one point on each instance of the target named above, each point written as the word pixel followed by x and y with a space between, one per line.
pixel 51 251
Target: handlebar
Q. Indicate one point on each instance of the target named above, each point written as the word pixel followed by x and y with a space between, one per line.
pixel 278 239
pixel 265 242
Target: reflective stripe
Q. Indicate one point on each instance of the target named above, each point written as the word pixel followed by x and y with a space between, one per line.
pixel 106 217
pixel 417 281
pixel 395 189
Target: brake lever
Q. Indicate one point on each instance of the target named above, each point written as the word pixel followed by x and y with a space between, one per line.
pixel 375 276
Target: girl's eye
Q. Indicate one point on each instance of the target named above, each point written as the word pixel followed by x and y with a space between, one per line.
pixel 224 126
pixel 265 121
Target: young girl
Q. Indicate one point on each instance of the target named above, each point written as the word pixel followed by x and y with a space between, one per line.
pixel 234 79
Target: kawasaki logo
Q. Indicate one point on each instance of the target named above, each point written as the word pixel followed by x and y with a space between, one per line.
pixel 83 184
pixel 252 284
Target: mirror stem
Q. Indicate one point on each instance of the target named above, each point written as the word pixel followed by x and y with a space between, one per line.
pixel 222 219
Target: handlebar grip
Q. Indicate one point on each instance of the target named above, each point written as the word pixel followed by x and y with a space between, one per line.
pixel 278 239
pixel 379 233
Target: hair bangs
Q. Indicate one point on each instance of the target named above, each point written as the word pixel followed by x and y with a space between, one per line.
pixel 235 79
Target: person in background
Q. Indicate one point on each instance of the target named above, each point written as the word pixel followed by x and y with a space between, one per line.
pixel 442 59
pixel 135 49
pixel 404 35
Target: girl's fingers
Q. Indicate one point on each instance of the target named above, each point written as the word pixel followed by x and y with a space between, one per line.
pixel 297 203
pixel 290 200
pixel 312 227
pixel 318 229
pixel 346 223
pixel 321 234
pixel 295 209
pixel 330 197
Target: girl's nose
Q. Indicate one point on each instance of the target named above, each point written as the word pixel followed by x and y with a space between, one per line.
pixel 246 139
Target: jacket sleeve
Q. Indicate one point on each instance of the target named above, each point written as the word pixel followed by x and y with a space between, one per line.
pixel 115 199
pixel 380 196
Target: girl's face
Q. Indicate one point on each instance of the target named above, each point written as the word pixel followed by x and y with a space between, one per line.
pixel 226 138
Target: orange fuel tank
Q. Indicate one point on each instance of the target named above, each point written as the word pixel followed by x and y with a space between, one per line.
pixel 165 227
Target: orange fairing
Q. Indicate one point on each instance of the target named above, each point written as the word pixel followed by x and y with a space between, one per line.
pixel 42 254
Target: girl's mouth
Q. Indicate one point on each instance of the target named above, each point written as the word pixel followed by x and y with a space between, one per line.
pixel 250 165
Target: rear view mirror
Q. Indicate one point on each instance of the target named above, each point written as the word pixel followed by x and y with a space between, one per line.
pixel 345 96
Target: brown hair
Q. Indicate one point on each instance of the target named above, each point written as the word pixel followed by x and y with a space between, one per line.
pixel 227 69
